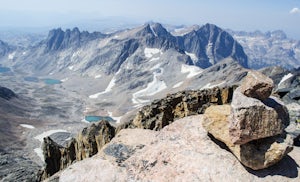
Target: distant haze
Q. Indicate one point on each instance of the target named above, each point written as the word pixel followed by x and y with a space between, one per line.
pixel 248 15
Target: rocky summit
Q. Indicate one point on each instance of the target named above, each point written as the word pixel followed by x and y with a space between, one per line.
pixel 181 151
pixel 131 153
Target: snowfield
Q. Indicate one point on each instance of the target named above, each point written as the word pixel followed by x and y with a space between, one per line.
pixel 48 133
pixel 152 88
pixel 285 77
pixel 27 126
pixel 149 52
pixel 192 70
pixel 98 76
pixel 178 84
pixel 109 87
pixel 192 56
pixel 209 85
pixel 117 119
pixel 40 138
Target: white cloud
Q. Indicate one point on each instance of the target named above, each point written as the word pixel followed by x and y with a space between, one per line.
pixel 295 11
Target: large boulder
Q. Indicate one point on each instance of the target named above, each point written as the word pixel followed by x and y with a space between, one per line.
pixel 253 119
pixel 257 85
pixel 258 154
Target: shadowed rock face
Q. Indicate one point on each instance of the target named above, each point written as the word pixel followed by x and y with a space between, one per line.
pixel 6 93
pixel 4 48
pixel 88 142
pixel 211 44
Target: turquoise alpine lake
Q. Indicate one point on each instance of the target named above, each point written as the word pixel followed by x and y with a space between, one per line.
pixel 50 81
pixel 98 118
pixel 31 79
pixel 4 69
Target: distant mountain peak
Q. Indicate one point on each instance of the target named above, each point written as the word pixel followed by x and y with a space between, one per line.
pixel 58 39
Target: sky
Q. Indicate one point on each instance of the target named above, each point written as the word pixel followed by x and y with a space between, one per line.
pixel 247 15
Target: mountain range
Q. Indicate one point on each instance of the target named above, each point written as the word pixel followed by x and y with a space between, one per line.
pixel 71 74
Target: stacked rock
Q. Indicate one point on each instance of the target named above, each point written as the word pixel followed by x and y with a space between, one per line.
pixel 253 125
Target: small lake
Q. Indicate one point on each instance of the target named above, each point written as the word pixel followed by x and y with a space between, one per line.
pixel 4 69
pixel 50 81
pixel 98 118
pixel 31 79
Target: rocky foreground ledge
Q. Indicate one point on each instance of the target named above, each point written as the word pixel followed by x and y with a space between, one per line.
pixel 181 151
pixel 174 149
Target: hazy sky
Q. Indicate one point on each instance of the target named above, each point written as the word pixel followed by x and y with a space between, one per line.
pixel 246 15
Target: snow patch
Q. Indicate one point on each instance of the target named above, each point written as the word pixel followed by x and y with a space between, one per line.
pixel 149 52
pixel 41 137
pixel 64 80
pixel 98 76
pixel 209 52
pixel 39 153
pixel 111 84
pixel 192 70
pixel 178 84
pixel 285 77
pixel 192 56
pixel 154 59
pixel 11 56
pixel 117 119
pixel 48 133
pixel 209 85
pixel 27 126
pixel 71 68
pixel 152 88
pixel 154 33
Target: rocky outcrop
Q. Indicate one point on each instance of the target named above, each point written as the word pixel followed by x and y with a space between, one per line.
pixel 257 85
pixel 92 139
pixel 186 103
pixel 252 129
pixel 88 142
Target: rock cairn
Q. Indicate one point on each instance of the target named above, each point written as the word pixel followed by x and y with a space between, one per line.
pixel 253 125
